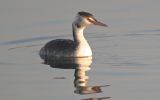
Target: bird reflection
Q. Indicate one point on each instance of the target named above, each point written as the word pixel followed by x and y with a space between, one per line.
pixel 81 66
pixel 94 98
pixel 81 80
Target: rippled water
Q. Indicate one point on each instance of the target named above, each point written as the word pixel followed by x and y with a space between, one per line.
pixel 126 58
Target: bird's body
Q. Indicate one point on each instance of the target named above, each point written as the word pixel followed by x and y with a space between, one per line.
pixel 78 47
pixel 64 47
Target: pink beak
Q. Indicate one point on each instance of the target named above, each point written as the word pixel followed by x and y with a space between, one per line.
pixel 99 23
pixel 95 22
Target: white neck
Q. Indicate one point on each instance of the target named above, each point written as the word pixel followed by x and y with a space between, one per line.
pixel 83 48
pixel 78 34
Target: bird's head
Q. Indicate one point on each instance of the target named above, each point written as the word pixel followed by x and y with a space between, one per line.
pixel 84 19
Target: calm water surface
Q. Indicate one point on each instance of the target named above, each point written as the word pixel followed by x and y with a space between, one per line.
pixel 126 61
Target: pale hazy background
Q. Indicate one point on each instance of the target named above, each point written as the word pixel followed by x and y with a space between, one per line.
pixel 126 54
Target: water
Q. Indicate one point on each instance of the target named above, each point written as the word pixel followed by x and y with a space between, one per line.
pixel 126 61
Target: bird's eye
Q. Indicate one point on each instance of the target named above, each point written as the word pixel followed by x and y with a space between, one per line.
pixel 90 19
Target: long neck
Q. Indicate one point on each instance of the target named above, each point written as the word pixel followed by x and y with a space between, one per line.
pixel 78 34
pixel 82 46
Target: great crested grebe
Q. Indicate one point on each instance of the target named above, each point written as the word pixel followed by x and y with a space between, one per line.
pixel 78 47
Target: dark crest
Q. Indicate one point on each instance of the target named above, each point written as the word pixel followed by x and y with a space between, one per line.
pixel 85 14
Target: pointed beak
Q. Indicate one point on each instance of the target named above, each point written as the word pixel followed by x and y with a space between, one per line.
pixel 99 23
pixel 95 22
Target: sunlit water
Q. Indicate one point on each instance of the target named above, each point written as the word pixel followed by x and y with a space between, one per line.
pixel 126 58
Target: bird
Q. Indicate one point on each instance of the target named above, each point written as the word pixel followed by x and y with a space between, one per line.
pixel 78 47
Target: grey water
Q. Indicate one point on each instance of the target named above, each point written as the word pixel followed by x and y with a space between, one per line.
pixel 126 58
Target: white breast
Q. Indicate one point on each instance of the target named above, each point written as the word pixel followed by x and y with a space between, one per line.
pixel 83 50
